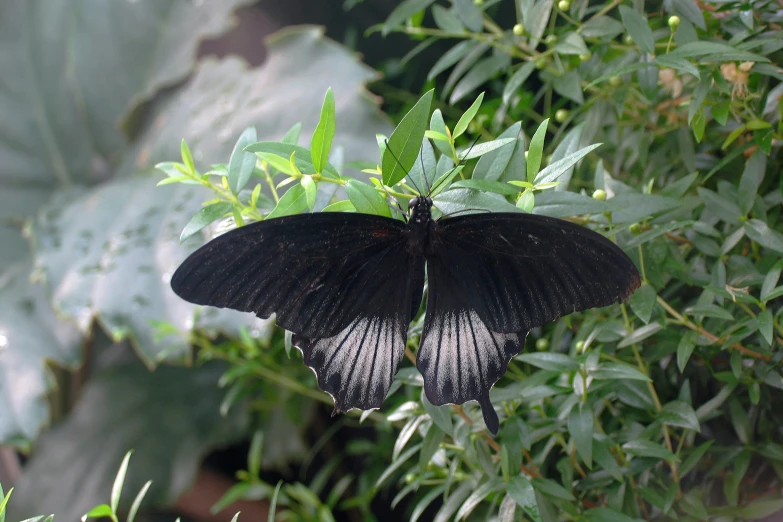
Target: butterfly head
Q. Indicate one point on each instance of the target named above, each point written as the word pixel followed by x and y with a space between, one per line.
pixel 420 210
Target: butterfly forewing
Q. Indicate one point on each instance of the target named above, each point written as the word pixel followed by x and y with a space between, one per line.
pixel 317 272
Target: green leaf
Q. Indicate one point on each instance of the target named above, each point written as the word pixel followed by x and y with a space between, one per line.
pixel 492 485
pixel 454 501
pixel 478 75
pixel 699 124
pixel 571 43
pixel 765 325
pixel 760 509
pixel 551 361
pixel 294 201
pixel 648 448
pixel 710 51
pixel 425 501
pixel 440 415
pixel 310 190
pixel 405 141
pixel 618 371
pixel 480 149
pixel 640 334
pixel 438 125
pixel 134 509
pixel 366 199
pixel 394 466
pixel 581 426
pixel 521 490
pixel 446 19
pixel 570 86
pixel 242 163
pixel 430 445
pixel 204 217
pixel 321 143
pixel 638 29
pixel 685 349
pixel 119 480
pixel 536 151
pixel 680 64
pixel 603 27
pixel 767 237
pixel 452 56
pixel 273 503
pixel 487 186
pixel 643 301
pixel 565 204
pixel 558 168
pixel 291 137
pixel 552 489
pixel 517 79
pixel 100 511
pixel 467 117
pixel 492 165
pixel 771 281
pixel 694 457
pixel 403 11
pixel 471 200
pixel 536 19
pixel 470 14
pixel 681 414
pixel 527 202
pixel 340 206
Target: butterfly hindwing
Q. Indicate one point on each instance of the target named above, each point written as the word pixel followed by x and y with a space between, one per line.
pixel 316 272
pixel 356 366
pixel 493 277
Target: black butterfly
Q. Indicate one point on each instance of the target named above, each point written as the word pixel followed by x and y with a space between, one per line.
pixel 347 285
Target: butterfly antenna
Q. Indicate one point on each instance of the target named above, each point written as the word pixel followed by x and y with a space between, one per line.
pixel 424 172
pixel 461 162
pixel 407 174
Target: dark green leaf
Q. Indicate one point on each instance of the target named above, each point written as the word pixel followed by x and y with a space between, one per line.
pixel 452 56
pixel 492 165
pixel 425 501
pixel 765 325
pixel 467 117
pixel 402 12
pixel 430 445
pixel 551 361
pixel 570 86
pixel 553 171
pixel 581 426
pixel 760 509
pixel 492 485
pixel 552 489
pixel 618 371
pixel 707 49
pixel 242 163
pixel 470 14
pixel 606 515
pixel 405 141
pixel 681 414
pixel 521 490
pixel 516 80
pixel 565 204
pixel 294 201
pixel 643 301
pixel 446 19
pixel 467 199
pixel 535 152
pixel 536 19
pixel 751 180
pixel 487 186
pixel 760 232
pixel 638 28
pixel 685 349
pixel 480 149
pixel 478 75
pixel 648 448
pixel 640 334
pixel 440 415
pixel 709 310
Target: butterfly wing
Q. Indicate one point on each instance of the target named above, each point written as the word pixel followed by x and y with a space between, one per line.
pixel 327 278
pixel 493 277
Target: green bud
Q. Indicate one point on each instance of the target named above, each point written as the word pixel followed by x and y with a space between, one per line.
pixel 519 29
pixel 674 22
pixel 635 229
pixel 478 3
pixel 585 57
pixel 580 346
pixel 541 62
pixel 542 344
pixel 628 40
pixel 564 5
pixel 600 195
pixel 615 81
pixel 561 115
pixel 550 39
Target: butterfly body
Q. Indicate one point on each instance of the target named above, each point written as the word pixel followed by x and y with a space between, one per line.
pixel 347 285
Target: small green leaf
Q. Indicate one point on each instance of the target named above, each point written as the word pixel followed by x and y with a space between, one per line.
pixel 439 126
pixel 606 515
pixel 720 111
pixel 771 281
pixel 430 445
pixel 242 163
pixel 497 187
pixel 102 510
pixel 536 151
pixel 552 489
pixel 405 141
pixel 521 490
pixel 204 217
pixel 694 457
pixel 527 202
pixel 765 325
pixel 759 509
pixel 292 136
pixel 480 149
pixel 643 301
pixel 709 310
pixel 321 143
pixel 681 414
pixel 557 362
pixel 570 86
pixel 187 157
pixel 560 167
pixel 516 81
pixel 467 117
pixel 134 509
pixel 618 371
pixel 581 426
pixel 366 199
pixel 648 448
pixel 119 480
pixel 571 43
pixel 699 124
pixel 273 505
pixel 425 501
pixel 340 206
pixel 684 349
pixel 638 28
pixel 640 334
pixel 440 415
pixel 492 485
pixel 402 12
pixel 294 201
pixel 310 190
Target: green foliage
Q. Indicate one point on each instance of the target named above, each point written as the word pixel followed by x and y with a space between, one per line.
pixel 660 409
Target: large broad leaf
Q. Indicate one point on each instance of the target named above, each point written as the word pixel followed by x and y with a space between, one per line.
pixel 169 417
pixel 110 253
pixel 30 335
pixel 69 70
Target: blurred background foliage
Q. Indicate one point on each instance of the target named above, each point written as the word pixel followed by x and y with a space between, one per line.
pixel 664 408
